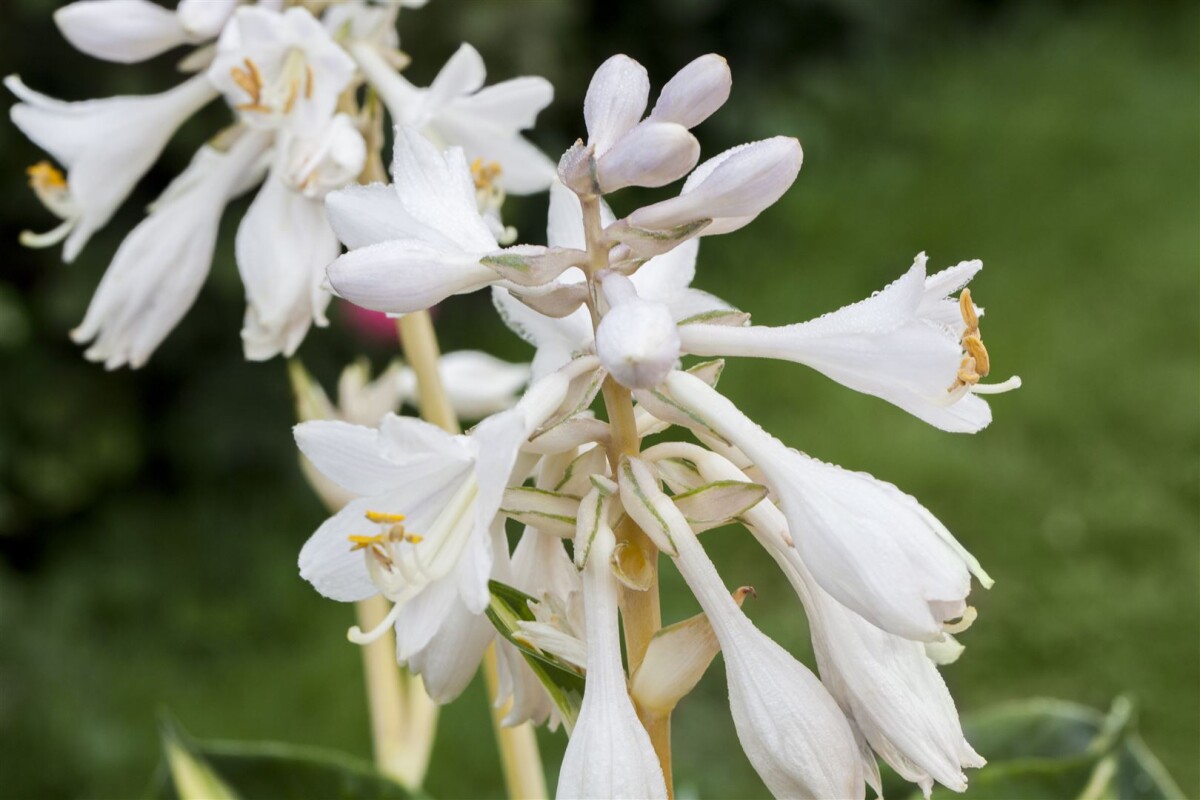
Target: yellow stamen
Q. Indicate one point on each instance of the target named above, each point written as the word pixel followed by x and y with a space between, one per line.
pixel 976 363
pixel 308 82
pixel 44 175
pixel 485 173
pixel 360 542
pixel 381 516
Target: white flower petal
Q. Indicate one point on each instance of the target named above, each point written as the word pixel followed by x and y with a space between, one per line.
pixel 125 31
pixel 463 74
pixel 437 190
pixel 651 154
pixel 524 169
pixel 283 246
pixel 741 182
pixel 638 343
pixel 511 105
pixel 616 99
pixel 204 19
pixel 365 215
pixel 479 384
pixel 695 92
pixel 406 275
pixel 447 664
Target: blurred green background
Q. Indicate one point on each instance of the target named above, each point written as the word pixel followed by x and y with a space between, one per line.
pixel 149 521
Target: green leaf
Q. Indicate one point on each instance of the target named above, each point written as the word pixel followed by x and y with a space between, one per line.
pixel 268 771
pixel 562 682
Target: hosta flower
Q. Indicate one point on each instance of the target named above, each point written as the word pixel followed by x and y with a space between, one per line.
pixel 134 30
pixel 637 341
pixel 901 344
pixel 874 548
pixel 159 268
pixel 285 242
pixel 106 146
pixel 420 531
pixel 457 110
pixel 418 241
pixel 609 755
pixel 280 69
pixel 790 727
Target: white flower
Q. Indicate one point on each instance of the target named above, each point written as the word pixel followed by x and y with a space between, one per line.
pixel 280 69
pixel 907 344
pixel 106 145
pixel 477 384
pixel 285 242
pixel 663 279
pixel 457 110
pixel 871 546
pixel 127 31
pixel 609 754
pixel 792 730
pixel 419 531
pixel 416 242
pixel 160 266
pixel 731 189
pixel 637 340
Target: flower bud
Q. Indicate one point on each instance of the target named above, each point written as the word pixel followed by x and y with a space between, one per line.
pixel 695 92
pixel 637 340
pixel 652 154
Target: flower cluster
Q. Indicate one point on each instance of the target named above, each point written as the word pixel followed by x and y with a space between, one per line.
pixel 608 305
pixel 302 83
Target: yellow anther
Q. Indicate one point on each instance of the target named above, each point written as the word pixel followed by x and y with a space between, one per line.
pixel 968 310
pixel 308 82
pixel 384 517
pixel 250 80
pixel 361 542
pixel 485 173
pixel 967 374
pixel 414 538
pixel 44 176
pixel 975 349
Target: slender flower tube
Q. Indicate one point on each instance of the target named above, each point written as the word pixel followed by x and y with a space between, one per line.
pixel 791 729
pixel 609 754
pixel 159 268
pixel 871 546
pixel 906 344
pixel 106 145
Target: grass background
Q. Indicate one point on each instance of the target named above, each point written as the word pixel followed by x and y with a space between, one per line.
pixel 150 520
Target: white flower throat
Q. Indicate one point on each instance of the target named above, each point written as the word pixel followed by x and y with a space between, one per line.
pixel 402 563
pixel 278 96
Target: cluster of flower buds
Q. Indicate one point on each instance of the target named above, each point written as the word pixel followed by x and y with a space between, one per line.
pixel 609 307
pixel 300 78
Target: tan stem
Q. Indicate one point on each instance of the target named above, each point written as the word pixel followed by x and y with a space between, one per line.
pixel 518 746
pixel 403 718
pixel 519 756
pixel 640 610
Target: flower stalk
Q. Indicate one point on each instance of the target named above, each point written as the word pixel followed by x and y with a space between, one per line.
pixel 520 759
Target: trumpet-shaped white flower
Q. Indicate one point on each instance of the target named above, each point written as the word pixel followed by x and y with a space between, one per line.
pixel 285 242
pixel 280 69
pixel 127 31
pixel 874 548
pixel 887 685
pixel 906 344
pixel 790 727
pixel 609 754
pixel 159 268
pixel 419 531
pixel 457 110
pixel 106 145
pixel 416 242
